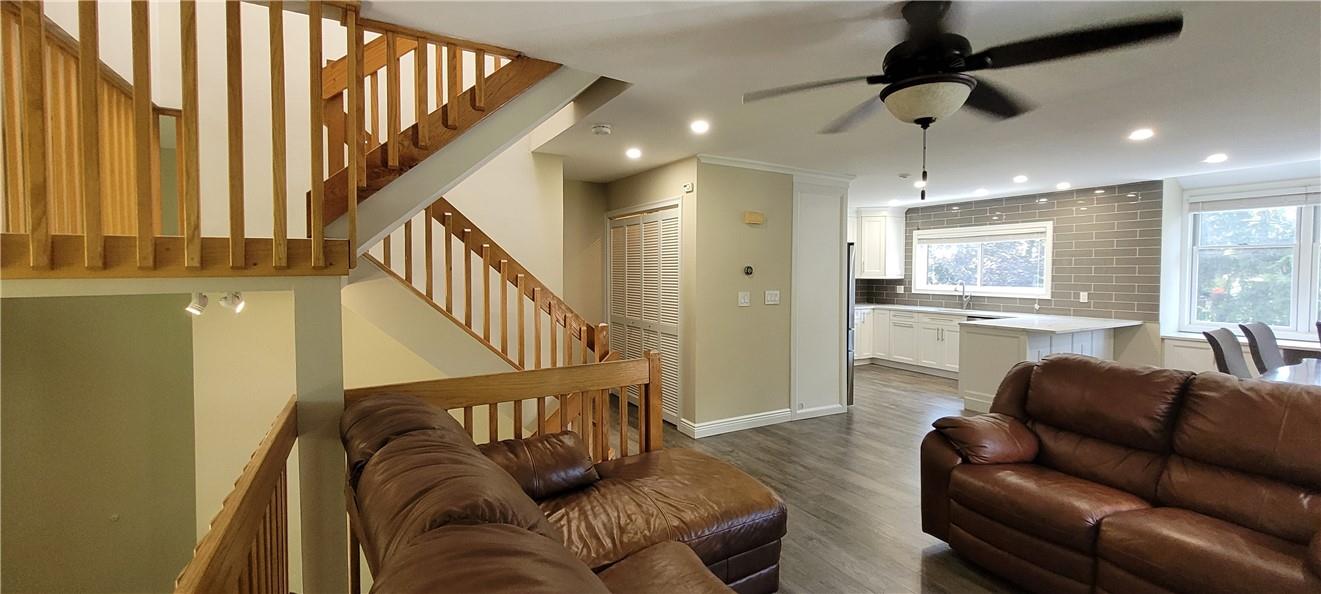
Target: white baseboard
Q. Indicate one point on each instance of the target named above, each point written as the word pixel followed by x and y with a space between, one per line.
pixel 916 368
pixel 739 423
pixel 819 411
pixel 976 402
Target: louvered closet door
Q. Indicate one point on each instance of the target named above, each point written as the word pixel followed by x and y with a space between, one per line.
pixel 644 294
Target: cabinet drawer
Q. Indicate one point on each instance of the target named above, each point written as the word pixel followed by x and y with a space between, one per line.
pixel 901 316
pixel 940 319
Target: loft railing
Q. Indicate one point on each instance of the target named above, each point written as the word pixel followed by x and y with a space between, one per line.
pixel 246 549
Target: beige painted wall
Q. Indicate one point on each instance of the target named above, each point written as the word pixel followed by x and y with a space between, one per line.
pixel 584 248
pixel 744 363
pixel 97 478
pixel 244 371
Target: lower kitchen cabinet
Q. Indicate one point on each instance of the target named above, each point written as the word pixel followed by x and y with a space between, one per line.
pixel 918 339
pixel 880 344
pixel 863 344
pixel 903 338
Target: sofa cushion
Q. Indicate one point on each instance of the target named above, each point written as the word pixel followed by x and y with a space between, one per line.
pixel 485 558
pixel 1185 551
pixel 1249 500
pixel 1124 468
pixel 544 465
pixel 1258 427
pixel 1130 406
pixel 369 423
pixel 662 568
pixel 1045 503
pixel 675 494
pixel 422 481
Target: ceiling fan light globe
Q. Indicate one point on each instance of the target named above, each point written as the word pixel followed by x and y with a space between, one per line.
pixel 927 98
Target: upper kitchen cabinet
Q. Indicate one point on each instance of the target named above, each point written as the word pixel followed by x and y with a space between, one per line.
pixel 879 243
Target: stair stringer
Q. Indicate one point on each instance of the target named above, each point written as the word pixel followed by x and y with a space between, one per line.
pixel 421 185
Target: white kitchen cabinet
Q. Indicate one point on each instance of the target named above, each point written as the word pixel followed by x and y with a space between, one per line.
pixel 879 244
pixel 949 342
pixel 852 230
pixel 903 338
pixel 938 341
pixel 929 351
pixel 880 344
pixel 862 334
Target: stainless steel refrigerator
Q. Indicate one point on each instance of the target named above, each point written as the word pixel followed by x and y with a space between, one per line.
pixel 849 289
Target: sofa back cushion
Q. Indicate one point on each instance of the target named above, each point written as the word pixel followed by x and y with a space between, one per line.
pixel 369 423
pixel 544 465
pixel 485 558
pixel 1249 452
pixel 424 480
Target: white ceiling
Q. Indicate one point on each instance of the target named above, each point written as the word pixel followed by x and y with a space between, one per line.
pixel 1244 79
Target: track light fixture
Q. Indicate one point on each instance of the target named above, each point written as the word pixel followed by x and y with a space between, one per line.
pixel 197 305
pixel 234 300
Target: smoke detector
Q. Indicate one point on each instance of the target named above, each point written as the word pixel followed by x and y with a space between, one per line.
pixel 601 129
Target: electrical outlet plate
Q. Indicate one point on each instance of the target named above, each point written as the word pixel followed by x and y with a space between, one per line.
pixel 899 289
pixel 772 297
pixel 744 298
pixel 1082 297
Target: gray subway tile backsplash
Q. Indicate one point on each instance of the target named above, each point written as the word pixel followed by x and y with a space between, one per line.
pixel 1105 244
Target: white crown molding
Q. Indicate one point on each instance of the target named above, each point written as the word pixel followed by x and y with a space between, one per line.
pixel 739 423
pixel 800 174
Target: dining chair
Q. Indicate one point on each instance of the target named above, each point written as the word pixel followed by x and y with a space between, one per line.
pixel 1228 353
pixel 1266 351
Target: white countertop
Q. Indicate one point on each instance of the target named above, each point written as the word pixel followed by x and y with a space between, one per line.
pixel 1036 323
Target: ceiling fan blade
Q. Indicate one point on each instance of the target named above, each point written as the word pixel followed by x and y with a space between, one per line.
pixel 808 86
pixel 854 116
pixel 1074 43
pixel 995 102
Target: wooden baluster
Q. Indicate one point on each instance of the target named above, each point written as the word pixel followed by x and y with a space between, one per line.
pixel 479 81
pixel 582 339
pixel 391 100
pixel 486 292
pixel 354 171
pixel 467 419
pixel 408 251
pixel 504 306
pixel 428 259
pixel 568 341
pixel 518 419
pixel 375 86
pixel 467 277
pixel 536 328
pixel 585 406
pixel 564 412
pixel 440 78
pixel 386 251
pixel 35 174
pixel 493 422
pixel 602 423
pixel 420 91
pixel 554 357
pixel 651 404
pixel 279 170
pixel 449 262
pixel 191 203
pixel 318 156
pixel 454 76
pixel 234 103
pixel 89 99
pixel 541 415
pixel 522 348
pixel 623 421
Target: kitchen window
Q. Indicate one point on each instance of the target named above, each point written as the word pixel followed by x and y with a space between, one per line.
pixel 994 260
pixel 1253 258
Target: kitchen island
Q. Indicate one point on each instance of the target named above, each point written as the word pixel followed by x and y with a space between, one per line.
pixel 975 347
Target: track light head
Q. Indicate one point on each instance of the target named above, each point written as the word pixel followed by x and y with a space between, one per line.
pixel 197 305
pixel 234 300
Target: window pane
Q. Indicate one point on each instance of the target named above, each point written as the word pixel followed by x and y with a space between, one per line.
pixel 1257 226
pixel 949 263
pixel 1245 285
pixel 1020 263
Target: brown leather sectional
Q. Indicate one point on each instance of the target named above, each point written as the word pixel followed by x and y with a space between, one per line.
pixel 436 513
pixel 1090 476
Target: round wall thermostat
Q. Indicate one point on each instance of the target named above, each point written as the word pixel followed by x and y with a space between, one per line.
pixel 747 270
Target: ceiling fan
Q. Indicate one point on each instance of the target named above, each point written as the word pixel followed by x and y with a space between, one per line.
pixel 925 76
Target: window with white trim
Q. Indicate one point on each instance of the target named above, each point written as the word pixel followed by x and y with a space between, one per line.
pixel 1253 257
pixel 1010 260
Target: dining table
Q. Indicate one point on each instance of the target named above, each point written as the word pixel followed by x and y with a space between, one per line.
pixel 1307 372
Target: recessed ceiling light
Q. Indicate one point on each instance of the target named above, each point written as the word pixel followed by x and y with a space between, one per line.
pixel 1098 191
pixel 1063 186
pixel 633 153
pixel 699 126
pixel 1018 179
pixel 981 192
pixel 1216 158
pixel 919 184
pixel 1141 134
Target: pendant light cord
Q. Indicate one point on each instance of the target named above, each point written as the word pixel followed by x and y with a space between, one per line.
pixel 924 162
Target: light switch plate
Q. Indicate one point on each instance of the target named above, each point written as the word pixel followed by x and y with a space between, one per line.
pixel 744 298
pixel 772 297
pixel 1082 297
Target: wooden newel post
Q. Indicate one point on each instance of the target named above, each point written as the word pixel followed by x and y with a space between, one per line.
pixel 601 341
pixel 650 417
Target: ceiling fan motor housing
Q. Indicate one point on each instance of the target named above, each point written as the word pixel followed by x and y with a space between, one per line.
pixel 927 98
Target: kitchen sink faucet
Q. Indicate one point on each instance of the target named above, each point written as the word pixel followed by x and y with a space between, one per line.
pixel 964 298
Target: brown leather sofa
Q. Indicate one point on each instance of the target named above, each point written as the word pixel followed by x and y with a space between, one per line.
pixel 1090 476
pixel 436 513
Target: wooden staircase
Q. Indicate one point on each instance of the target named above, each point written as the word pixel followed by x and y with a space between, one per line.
pixel 514 315
pixel 82 171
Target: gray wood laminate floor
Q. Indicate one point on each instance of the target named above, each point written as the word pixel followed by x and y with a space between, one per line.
pixel 851 484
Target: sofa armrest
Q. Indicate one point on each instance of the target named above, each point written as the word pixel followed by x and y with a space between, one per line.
pixel 938 460
pixel 544 465
pixel 1314 554
pixel 990 438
